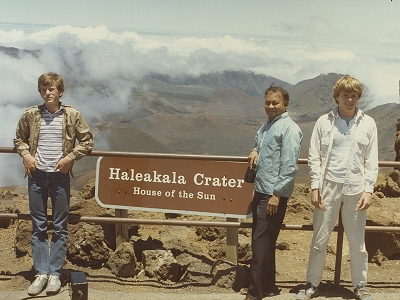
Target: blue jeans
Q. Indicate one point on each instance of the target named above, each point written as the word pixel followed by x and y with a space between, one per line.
pixel 265 232
pixel 57 186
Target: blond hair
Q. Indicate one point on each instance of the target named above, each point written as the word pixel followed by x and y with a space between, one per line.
pixel 347 84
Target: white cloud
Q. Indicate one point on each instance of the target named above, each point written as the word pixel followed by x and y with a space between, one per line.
pixel 10 164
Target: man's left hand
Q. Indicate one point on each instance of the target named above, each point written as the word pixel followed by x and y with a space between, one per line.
pixel 365 201
pixel 64 164
pixel 272 206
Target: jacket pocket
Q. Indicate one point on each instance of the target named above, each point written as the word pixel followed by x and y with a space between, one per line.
pixel 362 144
pixel 324 145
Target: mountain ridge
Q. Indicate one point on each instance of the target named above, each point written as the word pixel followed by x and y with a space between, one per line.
pixel 179 102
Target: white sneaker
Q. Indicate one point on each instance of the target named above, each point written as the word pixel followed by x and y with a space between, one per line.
pixel 308 292
pixel 37 285
pixel 361 293
pixel 53 285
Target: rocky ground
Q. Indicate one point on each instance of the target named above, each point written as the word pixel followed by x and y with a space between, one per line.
pixel 207 245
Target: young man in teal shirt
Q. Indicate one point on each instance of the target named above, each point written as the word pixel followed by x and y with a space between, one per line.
pixel 275 155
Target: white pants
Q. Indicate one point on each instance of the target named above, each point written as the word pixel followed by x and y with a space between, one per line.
pixel 324 221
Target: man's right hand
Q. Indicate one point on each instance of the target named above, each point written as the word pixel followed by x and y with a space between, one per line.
pixel 316 199
pixel 30 164
pixel 252 158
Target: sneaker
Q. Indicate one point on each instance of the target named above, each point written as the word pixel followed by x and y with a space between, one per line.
pixel 361 293
pixel 308 292
pixel 37 285
pixel 53 285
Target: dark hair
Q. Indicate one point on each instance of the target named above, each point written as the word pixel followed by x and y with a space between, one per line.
pixel 276 89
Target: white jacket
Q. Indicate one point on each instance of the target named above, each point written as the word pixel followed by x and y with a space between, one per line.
pixel 362 159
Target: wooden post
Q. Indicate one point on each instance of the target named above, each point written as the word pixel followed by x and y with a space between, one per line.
pixel 121 230
pixel 232 242
pixel 339 252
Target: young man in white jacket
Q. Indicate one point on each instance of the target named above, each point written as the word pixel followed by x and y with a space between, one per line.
pixel 343 162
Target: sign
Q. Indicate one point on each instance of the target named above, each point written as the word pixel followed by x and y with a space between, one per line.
pixel 187 186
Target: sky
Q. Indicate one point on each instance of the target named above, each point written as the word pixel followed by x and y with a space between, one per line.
pixel 112 44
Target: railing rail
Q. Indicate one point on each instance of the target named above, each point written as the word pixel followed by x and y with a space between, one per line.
pixel 230 224
pixel 73 219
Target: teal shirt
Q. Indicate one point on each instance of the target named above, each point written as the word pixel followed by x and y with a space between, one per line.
pixel 278 144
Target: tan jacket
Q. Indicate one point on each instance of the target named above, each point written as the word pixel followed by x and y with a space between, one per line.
pixel 74 128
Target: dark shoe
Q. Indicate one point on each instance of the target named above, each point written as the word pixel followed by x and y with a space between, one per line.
pixel 272 292
pixel 308 292
pixel 53 285
pixel 38 285
pixel 361 293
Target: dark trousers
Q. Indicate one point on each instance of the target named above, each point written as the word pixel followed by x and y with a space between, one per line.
pixel 265 232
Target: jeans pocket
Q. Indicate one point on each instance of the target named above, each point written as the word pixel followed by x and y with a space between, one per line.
pixel 262 209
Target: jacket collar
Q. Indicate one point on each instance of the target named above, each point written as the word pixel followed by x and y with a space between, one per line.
pixel 334 113
pixel 41 107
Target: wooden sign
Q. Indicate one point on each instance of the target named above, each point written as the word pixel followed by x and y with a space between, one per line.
pixel 187 186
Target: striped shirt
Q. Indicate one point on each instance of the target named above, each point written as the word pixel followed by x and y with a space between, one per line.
pixel 50 149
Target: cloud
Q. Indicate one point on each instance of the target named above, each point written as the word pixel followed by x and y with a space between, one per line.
pixel 116 60
pixel 102 67
pixel 10 164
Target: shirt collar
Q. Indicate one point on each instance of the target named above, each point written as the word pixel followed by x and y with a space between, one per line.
pixel 281 116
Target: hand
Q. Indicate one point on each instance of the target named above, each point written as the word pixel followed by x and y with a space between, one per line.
pixel 316 199
pixel 252 158
pixel 64 164
pixel 30 164
pixel 365 201
pixel 272 206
